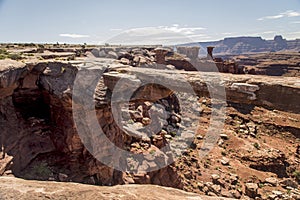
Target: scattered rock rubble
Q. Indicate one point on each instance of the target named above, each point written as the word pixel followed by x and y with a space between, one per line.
pixel 257 156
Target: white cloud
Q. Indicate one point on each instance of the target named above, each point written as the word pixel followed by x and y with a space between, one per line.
pixel 72 35
pixel 271 17
pixel 291 13
pixel 183 30
pixel 288 13
pixel 174 28
pixel 174 34
pixel 268 32
pixel 228 33
pixel 295 22
pixel 292 35
pixel 116 29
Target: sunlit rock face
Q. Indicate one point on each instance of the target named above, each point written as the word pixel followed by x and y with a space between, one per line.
pixel 40 139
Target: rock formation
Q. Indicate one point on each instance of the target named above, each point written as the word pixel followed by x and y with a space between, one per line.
pixel 259 141
pixel 52 190
pixel 244 45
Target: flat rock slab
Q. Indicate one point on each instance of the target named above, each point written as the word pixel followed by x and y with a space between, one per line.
pixel 8 64
pixel 14 188
pixel 281 93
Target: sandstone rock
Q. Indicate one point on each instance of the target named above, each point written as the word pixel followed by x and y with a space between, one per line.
pixel 168 137
pixel 205 189
pixel 170 67
pixel 215 177
pixel 224 136
pixel 112 55
pixel 272 196
pixel 295 196
pixel 56 84
pixel 191 52
pixel 251 189
pixel 54 190
pixel 231 194
pixel 246 88
pixel 10 74
pixel 159 141
pixel 298 151
pixel 220 142
pixel 233 180
pixel 29 81
pixel 225 161
pixel 226 193
pixel 161 55
pixel 238 88
pixel 289 183
pixel 235 194
pixel 212 194
pixel 146 121
pixel 136 116
pixel 277 193
pixel 175 119
pixel 125 61
pixel 216 189
pixel 95 52
pixel 62 177
pixel 5 162
pixel 53 55
pixel 273 181
pixel 199 137
pixel 181 63
pixel 102 54
pixel 271 159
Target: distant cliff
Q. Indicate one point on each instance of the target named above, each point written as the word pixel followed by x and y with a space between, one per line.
pixel 240 45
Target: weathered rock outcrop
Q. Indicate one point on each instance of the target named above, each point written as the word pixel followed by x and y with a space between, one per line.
pixel 271 64
pixel 37 124
pixel 52 190
pixel 242 45
pixel 38 129
pixel 278 93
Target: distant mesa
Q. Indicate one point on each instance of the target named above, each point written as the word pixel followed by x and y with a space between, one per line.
pixel 244 45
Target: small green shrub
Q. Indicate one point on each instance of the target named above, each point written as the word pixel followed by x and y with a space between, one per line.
pixel 41 170
pixel 256 145
pixel 38 171
pixel 15 56
pixel 152 152
pixel 2 57
pixel 29 54
pixel 3 51
pixel 296 174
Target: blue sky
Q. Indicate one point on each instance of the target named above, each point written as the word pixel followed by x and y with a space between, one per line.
pixel 97 21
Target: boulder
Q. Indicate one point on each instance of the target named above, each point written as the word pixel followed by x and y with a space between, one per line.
pixel 251 190
pixel 273 181
pixel 289 183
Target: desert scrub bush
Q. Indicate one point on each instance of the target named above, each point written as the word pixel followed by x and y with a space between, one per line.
pixel 29 54
pixel 152 152
pixel 71 58
pixel 15 56
pixel 39 171
pixel 296 174
pixel 2 57
pixel 3 52
pixel 256 145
